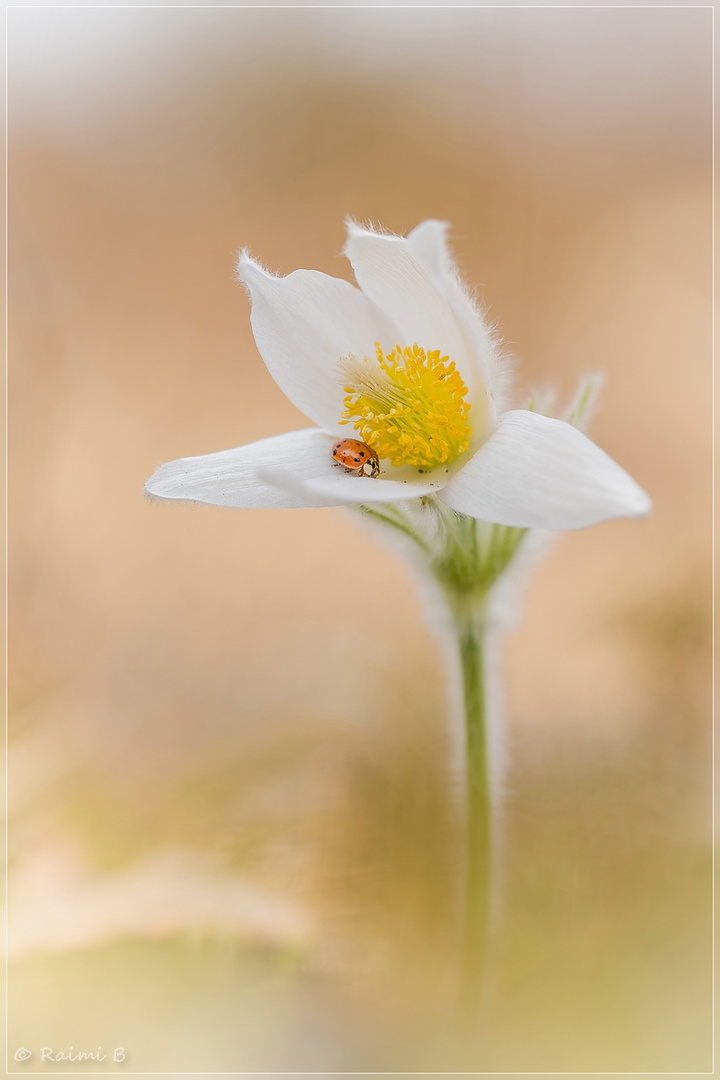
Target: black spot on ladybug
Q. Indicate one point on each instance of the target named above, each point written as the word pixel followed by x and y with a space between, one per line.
pixel 357 459
pixel 362 453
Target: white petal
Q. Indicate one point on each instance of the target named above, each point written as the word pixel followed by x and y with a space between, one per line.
pixel 395 276
pixel 541 473
pixel 303 325
pixel 337 488
pixel 230 477
pixel 429 243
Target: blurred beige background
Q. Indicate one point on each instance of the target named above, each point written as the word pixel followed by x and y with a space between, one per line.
pixel 231 844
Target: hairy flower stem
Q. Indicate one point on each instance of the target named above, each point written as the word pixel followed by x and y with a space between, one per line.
pixel 465 558
pixel 478 881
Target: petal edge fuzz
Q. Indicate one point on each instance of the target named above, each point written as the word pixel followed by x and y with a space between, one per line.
pixel 392 273
pixel 429 242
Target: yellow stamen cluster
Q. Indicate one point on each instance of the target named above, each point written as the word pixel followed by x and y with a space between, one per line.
pixel 411 408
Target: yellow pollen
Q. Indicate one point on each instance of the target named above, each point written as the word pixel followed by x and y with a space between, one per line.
pixel 411 408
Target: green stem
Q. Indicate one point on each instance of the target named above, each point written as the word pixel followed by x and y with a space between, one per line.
pixel 466 558
pixel 399 525
pixel 471 639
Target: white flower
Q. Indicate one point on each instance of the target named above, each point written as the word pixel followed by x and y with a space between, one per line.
pixel 407 365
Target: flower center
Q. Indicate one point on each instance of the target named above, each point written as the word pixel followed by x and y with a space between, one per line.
pixel 410 407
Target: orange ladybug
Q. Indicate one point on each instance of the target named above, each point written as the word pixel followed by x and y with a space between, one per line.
pixel 356 457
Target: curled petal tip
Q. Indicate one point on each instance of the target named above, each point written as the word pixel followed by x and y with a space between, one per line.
pixel 249 270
